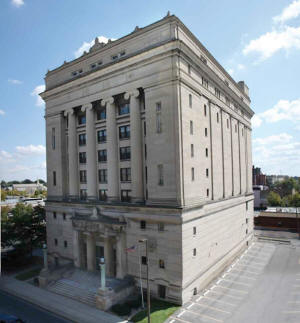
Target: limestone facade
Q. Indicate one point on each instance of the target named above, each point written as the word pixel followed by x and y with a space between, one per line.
pixel 149 137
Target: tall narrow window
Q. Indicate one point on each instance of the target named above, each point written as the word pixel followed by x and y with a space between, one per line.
pixel 158 117
pixel 145 130
pixel 217 93
pixel 205 131
pixel 190 101
pixel 193 173
pixel 205 112
pixel 82 139
pixel 227 123
pixel 218 117
pixel 207 172
pixel 206 152
pixel 160 170
pixel 207 192
pixel 205 82
pixel 191 127
pixel 53 138
pixel 194 230
pixel 192 150
pixel 189 68
pixel 54 178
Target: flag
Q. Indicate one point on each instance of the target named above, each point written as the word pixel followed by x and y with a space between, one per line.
pixel 130 249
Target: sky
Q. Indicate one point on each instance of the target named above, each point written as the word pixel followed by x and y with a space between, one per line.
pixel 256 41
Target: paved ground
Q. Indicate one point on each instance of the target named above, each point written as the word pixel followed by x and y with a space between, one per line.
pixel 11 305
pixel 262 286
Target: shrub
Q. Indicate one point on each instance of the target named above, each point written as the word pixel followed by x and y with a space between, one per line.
pixel 121 309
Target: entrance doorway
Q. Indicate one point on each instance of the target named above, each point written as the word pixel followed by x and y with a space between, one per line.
pixel 161 291
pixel 99 255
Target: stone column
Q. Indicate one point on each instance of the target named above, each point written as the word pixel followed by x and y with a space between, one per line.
pixel 137 192
pixel 108 256
pixel 72 155
pixel 120 256
pixel 112 150
pixel 90 252
pixel 91 152
pixel 76 249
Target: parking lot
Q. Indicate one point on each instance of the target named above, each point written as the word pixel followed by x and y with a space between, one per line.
pixel 262 285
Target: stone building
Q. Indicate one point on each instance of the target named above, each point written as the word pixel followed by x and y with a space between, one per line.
pixel 149 137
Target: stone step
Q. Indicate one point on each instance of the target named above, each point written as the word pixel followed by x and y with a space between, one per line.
pixel 73 292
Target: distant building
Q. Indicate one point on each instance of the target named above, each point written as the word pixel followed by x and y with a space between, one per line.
pixel 29 188
pixel 260 196
pixel 272 179
pixel 258 178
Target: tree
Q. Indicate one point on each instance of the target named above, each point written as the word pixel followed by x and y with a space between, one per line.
pixel 3 195
pixel 27 181
pixel 285 187
pixel 25 229
pixel 295 200
pixel 274 199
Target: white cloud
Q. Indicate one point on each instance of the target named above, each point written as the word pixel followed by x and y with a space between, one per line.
pixel 2 113
pixel 5 154
pixel 35 93
pixel 17 3
pixel 31 150
pixel 87 45
pixel 281 138
pixel 289 12
pixel 16 82
pixel 271 42
pixel 241 67
pixel 256 121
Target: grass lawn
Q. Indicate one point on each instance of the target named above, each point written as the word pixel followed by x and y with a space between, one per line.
pixel 28 274
pixel 160 311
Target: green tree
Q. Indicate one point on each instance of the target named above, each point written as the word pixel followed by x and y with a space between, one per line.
pixel 25 229
pixel 285 187
pixel 274 199
pixel 3 195
pixel 295 200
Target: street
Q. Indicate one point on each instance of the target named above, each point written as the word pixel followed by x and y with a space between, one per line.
pixel 11 305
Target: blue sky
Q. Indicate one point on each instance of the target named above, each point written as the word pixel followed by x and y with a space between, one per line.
pixel 256 41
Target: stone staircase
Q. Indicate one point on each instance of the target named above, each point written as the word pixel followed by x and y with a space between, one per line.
pixel 73 290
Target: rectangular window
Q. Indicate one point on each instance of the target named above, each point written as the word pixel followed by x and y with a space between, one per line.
pixel 190 101
pixel 144 260
pixel 124 132
pixel 235 128
pixel 246 206
pixel 146 174
pixel 102 195
pixel 191 127
pixel 81 119
pixel 189 68
pixel 207 192
pixel 145 151
pixel 124 109
pixel 217 93
pixel 192 150
pixel 83 194
pixel 206 152
pixel 161 264
pixel 227 101
pixel 194 252
pixel 205 82
pixel 66 244
pixel 227 121
pixel 143 225
pixel 160 170
pixel 161 226
pixel 158 122
pixel 125 153
pixel 145 128
pixel 53 138
pixel 218 117
pixel 193 174
pixel 125 174
pixel 205 132
pixel 247 220
pixel 205 110
pixel 82 139
pixel 54 178
pixel 102 173
pixel 54 215
pixel 125 195
pixel 194 231
pixel 55 242
pixel 64 216
pixel 158 106
pixel 101 113
pixel 82 158
pixel 206 172
pixel 101 134
pixel 82 176
pixel 102 155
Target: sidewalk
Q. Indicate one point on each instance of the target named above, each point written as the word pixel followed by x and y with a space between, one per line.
pixel 60 305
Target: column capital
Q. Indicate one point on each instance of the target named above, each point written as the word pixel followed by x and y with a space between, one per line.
pixel 109 100
pixel 87 106
pixel 69 111
pixel 135 93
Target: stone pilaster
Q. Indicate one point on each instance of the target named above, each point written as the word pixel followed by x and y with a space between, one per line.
pixel 137 192
pixel 121 270
pixel 76 249
pixel 90 252
pixel 108 256
pixel 91 152
pixel 72 155
pixel 112 150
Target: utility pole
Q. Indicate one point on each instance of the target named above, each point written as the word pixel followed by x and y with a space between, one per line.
pixel 148 287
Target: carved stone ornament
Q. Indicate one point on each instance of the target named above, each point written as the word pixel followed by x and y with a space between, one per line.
pixel 94 215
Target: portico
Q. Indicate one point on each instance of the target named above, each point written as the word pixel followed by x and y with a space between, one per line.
pixel 96 237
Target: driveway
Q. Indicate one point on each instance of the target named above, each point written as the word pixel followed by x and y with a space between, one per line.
pixel 262 286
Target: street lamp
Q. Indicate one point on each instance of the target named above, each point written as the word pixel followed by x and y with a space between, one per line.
pixel 45 256
pixel 102 270
pixel 148 287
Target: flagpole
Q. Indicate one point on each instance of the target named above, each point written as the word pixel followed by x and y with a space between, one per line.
pixel 141 276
